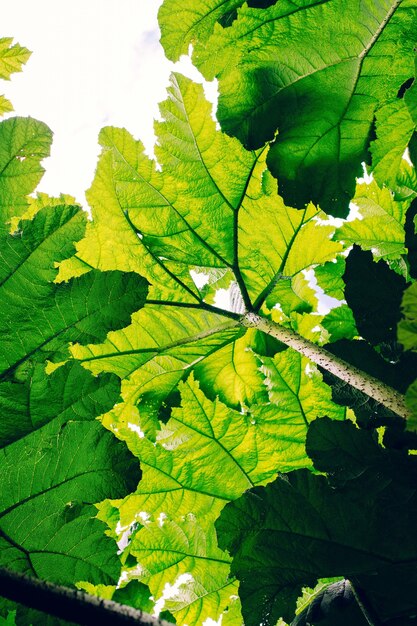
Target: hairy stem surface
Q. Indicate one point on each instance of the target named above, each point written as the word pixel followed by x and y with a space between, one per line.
pixel 369 385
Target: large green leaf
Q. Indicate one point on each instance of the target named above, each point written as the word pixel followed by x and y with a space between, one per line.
pixel 165 224
pixel 56 460
pixel 50 315
pixel 156 352
pixel 358 523
pixel 182 492
pixel 287 67
pixel 69 392
pixel 61 469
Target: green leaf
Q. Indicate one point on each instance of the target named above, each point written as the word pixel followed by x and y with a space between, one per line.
pixel 51 315
pixel 407 328
pixel 12 57
pixel 153 221
pixel 28 254
pixel 297 397
pixel 156 352
pixel 62 469
pixel 380 225
pixel 394 128
pixel 268 82
pixel 24 142
pixel 329 278
pixel 55 457
pixel 182 492
pixel 232 373
pixel 9 620
pixel 340 324
pixel 354 523
pixel 68 393
pixel 165 224
pixel 183 22
pixel 5 105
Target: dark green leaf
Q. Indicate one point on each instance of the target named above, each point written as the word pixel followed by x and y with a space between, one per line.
pixel 357 523
pixel 62 469
pixel 374 293
pixel 322 103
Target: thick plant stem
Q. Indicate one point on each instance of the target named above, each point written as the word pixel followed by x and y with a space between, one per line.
pixel 70 604
pixel 369 385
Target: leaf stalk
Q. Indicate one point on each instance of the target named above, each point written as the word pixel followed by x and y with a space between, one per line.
pixel 71 604
pixel 350 374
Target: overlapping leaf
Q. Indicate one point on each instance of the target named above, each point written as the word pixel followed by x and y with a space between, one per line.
pixel 285 67
pixel 196 214
pixel 56 460
pixel 55 457
pixel 205 456
pixel 302 527
pixel 297 397
pixel 62 469
pixel 379 226
pixel 197 22
pixel 51 315
pixel 395 127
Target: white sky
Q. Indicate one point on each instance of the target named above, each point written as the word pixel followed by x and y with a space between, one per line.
pixel 94 63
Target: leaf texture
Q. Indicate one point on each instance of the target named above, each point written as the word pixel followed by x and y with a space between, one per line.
pixel 12 57
pixel 302 527
pixel 24 142
pixel 182 491
pixel 322 102
pixel 165 224
pixel 56 460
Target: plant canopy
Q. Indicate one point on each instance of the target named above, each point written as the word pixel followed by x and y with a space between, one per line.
pixel 208 390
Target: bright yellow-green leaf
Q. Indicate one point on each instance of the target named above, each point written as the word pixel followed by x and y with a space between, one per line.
pixel 24 142
pixel 380 226
pixel 316 72
pixel 394 126
pixel 5 105
pixel 12 57
pixel 297 396
pixel 194 213
pixel 205 456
